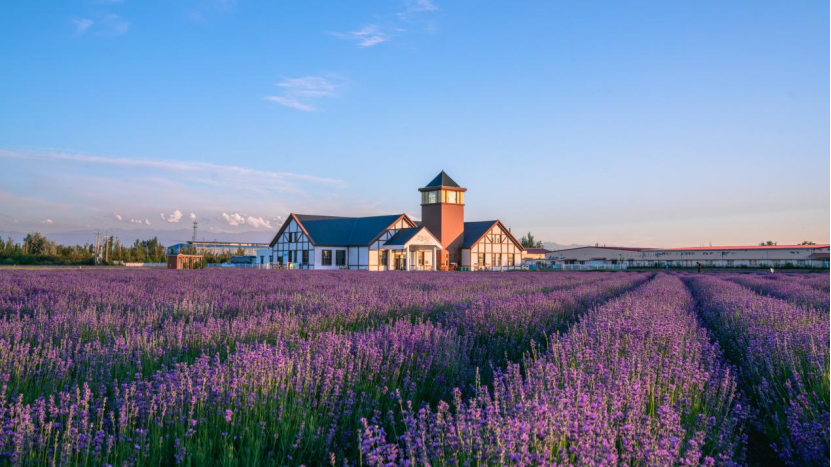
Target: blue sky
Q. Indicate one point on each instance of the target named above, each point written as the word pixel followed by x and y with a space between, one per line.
pixel 626 123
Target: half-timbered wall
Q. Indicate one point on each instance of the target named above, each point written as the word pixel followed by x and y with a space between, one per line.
pixel 290 246
pixel 373 253
pixel 497 250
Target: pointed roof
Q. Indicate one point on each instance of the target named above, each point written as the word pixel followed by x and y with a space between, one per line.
pixel 342 231
pixel 442 179
pixel 474 231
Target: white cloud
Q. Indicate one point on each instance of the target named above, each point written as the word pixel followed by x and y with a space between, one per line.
pixel 146 222
pixel 192 216
pixel 118 217
pixel 367 36
pixel 257 222
pixel 174 217
pixel 82 24
pixel 47 221
pixel 299 92
pixel 236 219
pixel 233 219
pixel 136 221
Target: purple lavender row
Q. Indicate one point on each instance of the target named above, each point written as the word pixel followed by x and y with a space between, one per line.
pixel 86 359
pixel 794 291
pixel 636 382
pixel 266 403
pixel 103 327
pixel 782 352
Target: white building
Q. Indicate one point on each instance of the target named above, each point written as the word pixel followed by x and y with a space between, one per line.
pixel 710 256
pixel 443 240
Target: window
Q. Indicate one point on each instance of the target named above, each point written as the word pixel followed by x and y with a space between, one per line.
pixel 326 257
pixel 432 197
pixel 383 257
pixel 481 259
pixel 262 259
pixel 511 261
pixel 340 258
pixel 497 259
pixel 451 197
pixel 305 256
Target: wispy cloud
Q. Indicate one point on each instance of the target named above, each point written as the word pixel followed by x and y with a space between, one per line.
pixel 47 221
pixel 82 24
pixel 107 24
pixel 391 26
pixel 367 36
pixel 113 25
pixel 420 6
pixel 299 93
pixel 205 168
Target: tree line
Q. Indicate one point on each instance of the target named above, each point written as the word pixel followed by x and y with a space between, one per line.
pixel 36 249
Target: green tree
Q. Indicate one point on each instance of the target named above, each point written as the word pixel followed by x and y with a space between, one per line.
pixel 768 243
pixel 36 244
pixel 807 242
pixel 528 241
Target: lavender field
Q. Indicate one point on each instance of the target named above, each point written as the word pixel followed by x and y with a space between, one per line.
pixel 218 367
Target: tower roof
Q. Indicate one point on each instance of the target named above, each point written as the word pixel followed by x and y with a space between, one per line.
pixel 442 179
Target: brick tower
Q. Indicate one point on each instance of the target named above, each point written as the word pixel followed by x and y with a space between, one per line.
pixel 443 213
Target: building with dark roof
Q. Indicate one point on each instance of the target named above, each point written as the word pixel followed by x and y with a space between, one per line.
pixel 441 240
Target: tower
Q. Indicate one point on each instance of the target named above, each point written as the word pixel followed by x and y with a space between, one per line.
pixel 443 213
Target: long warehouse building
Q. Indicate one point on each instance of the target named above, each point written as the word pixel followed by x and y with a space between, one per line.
pixel 816 256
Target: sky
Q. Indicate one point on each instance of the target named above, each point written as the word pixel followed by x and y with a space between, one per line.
pixel 652 124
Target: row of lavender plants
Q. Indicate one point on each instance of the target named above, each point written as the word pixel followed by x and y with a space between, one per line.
pixel 792 289
pixel 252 367
pixel 636 382
pixel 95 328
pixel 782 352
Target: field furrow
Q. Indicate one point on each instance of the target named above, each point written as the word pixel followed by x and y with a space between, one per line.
pixel 635 382
pixel 782 352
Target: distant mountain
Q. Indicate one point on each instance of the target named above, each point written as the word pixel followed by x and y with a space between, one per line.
pixel 557 246
pixel 166 237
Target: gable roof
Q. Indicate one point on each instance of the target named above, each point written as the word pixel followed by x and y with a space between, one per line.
pixel 346 231
pixel 405 235
pixel 442 179
pixel 474 231
pixel 342 231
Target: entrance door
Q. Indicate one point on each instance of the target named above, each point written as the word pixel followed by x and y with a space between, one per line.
pixel 400 261
pixel 421 259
